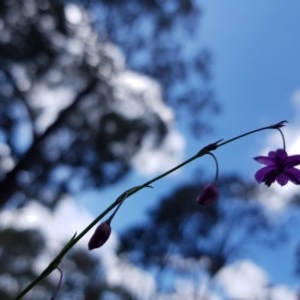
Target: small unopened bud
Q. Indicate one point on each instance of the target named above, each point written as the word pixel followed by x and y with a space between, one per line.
pixel 208 196
pixel 100 236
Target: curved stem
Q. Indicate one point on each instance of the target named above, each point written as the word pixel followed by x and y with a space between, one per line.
pixel 58 285
pixel 217 167
pixel 205 150
pixel 282 136
pixel 274 126
pixel 56 261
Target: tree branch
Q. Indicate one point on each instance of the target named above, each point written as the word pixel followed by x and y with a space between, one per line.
pixel 9 185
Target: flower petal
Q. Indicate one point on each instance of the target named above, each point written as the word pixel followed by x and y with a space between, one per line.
pixel 265 160
pixel 293 175
pixel 279 167
pixel 271 177
pixel 100 236
pixel 209 195
pixel 279 154
pixel 292 161
pixel 261 174
pixel 283 179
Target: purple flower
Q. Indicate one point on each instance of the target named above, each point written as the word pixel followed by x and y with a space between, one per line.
pixel 208 195
pixel 100 235
pixel 279 167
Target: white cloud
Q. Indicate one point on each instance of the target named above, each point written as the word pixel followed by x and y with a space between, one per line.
pixel 139 96
pixel 73 13
pixel 187 289
pixel 50 101
pixel 121 273
pixel 60 225
pixel 280 293
pixel 243 280
pixel 152 160
pixel 6 160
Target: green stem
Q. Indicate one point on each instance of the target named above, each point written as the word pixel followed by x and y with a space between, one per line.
pixel 217 168
pixel 55 262
pixel 282 136
pixel 205 150
pixel 58 285
pixel 274 126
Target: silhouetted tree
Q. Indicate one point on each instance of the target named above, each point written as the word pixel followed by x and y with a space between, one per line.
pixel 165 43
pixel 21 252
pixel 71 114
pixel 187 239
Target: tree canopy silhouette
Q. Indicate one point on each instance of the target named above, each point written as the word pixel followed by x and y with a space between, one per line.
pixel 75 111
pixel 71 114
pixel 188 239
pixel 159 45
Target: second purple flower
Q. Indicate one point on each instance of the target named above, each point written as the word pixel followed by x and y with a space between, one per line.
pixel 100 236
pixel 208 196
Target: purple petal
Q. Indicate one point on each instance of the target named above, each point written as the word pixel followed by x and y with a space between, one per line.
pixel 261 174
pixel 283 179
pixel 272 154
pixel 271 177
pixel 208 195
pixel 294 175
pixel 265 160
pixel 292 161
pixel 100 235
pixel 279 153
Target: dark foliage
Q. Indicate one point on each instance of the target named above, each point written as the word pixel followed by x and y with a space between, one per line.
pixel 49 60
pixel 211 235
pixel 165 43
pixel 67 117
pixel 19 260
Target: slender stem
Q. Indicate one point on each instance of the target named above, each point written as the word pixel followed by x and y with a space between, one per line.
pixel 168 172
pixel 205 150
pixel 32 284
pixel 54 263
pixel 282 136
pixel 114 212
pixel 274 126
pixel 58 285
pixel 217 168
pixel 127 194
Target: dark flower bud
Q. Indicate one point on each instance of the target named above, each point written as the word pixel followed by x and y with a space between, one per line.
pixel 208 195
pixel 100 236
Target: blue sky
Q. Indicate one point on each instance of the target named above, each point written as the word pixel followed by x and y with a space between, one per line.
pixel 256 48
pixel 255 45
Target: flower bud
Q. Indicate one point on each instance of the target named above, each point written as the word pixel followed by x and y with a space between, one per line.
pixel 208 196
pixel 100 235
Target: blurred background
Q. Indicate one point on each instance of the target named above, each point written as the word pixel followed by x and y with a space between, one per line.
pixel 99 96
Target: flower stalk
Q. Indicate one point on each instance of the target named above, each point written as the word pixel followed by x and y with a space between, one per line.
pixel 58 285
pixel 210 192
pixel 54 264
pixel 282 136
pixel 217 168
